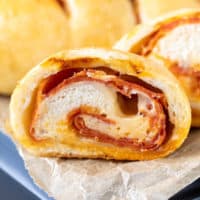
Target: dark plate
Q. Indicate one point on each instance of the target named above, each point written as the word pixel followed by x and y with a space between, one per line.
pixel 15 182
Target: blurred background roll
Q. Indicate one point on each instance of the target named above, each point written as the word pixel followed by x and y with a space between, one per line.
pixel 150 9
pixel 31 30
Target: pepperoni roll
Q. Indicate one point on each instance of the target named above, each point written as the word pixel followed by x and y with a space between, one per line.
pixel 96 103
pixel 173 40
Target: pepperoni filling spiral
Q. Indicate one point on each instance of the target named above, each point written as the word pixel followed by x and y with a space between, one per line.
pixel 135 117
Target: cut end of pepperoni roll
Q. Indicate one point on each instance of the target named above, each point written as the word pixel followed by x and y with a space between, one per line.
pixel 95 103
pixel 175 41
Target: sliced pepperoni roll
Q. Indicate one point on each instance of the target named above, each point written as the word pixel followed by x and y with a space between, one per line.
pixel 173 40
pixel 96 103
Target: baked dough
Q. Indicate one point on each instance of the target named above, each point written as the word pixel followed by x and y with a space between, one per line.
pixel 29 32
pixel 99 23
pixel 32 30
pixel 151 9
pixel 173 40
pixel 96 103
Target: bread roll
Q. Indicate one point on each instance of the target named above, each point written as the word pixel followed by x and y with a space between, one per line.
pixel 95 103
pixel 32 30
pixel 173 40
pixel 99 23
pixel 151 9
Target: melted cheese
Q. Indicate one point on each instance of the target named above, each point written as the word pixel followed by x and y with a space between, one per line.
pixel 56 107
pixel 129 127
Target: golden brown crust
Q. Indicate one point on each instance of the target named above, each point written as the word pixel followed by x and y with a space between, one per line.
pixel 105 157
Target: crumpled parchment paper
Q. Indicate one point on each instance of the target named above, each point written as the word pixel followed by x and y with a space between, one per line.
pixel 85 179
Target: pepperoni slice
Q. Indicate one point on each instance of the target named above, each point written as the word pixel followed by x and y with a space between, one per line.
pixel 137 102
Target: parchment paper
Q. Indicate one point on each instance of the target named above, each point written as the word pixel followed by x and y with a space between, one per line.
pixel 101 180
